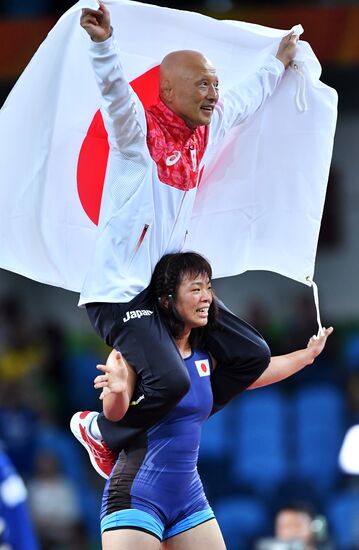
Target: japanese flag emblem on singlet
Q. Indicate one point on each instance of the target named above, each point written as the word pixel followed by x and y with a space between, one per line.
pixel 203 367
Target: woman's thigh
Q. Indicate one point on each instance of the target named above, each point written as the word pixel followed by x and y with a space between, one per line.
pixel 128 539
pixel 205 535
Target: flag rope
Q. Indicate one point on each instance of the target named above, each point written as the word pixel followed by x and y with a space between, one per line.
pixel 316 303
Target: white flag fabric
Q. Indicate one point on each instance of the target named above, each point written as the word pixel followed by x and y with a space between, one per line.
pixel 260 201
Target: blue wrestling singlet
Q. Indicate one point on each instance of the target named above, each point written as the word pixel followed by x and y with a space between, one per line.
pixel 155 486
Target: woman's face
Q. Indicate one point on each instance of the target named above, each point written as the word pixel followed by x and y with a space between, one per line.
pixel 194 296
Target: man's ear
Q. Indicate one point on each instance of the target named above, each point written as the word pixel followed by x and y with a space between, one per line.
pixel 166 91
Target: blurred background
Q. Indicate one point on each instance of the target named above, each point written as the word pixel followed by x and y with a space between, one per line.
pixel 272 446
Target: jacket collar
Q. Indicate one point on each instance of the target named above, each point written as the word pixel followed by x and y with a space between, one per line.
pixel 172 122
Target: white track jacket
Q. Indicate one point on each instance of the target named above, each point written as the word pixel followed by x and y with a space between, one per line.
pixel 142 218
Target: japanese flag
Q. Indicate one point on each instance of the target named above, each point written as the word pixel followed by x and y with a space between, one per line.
pixel 202 367
pixel 260 201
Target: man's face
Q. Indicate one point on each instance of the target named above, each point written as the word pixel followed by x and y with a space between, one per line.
pixel 194 91
pixel 294 525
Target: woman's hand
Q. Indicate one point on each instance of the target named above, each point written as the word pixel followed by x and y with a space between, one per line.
pixel 317 343
pixel 115 375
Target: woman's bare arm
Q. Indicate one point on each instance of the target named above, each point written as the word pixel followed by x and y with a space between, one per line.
pixel 117 384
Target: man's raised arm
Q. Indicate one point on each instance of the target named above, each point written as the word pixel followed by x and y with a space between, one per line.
pixel 121 109
pixel 243 100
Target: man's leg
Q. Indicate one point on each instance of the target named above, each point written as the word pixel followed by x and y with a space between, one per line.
pixel 137 330
pixel 242 356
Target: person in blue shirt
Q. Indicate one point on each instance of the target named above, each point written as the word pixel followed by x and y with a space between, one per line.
pixel 16 530
pixel 154 496
pixel 151 181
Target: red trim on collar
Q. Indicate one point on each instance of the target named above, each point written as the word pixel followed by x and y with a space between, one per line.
pixel 176 149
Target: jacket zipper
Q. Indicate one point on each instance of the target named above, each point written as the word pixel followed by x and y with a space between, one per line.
pixel 142 236
pixel 193 157
pixel 139 242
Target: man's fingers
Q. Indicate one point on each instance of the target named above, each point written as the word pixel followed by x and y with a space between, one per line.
pixel 91 17
pixel 89 11
pixel 89 23
pixel 102 7
pixel 293 36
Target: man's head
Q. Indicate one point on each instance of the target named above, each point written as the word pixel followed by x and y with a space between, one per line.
pixel 295 522
pixel 189 86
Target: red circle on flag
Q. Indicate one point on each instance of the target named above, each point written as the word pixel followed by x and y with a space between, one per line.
pixel 204 367
pixel 93 157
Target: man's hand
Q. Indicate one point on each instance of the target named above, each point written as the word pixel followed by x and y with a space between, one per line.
pixel 114 379
pixel 97 23
pixel 287 49
pixel 317 343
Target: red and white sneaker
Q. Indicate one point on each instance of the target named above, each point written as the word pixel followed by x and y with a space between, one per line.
pixel 102 458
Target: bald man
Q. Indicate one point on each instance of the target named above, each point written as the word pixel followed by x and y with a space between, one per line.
pixel 150 187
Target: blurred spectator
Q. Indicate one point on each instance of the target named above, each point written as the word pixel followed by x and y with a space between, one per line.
pixel 16 531
pixel 298 523
pixel 54 504
pixel 297 527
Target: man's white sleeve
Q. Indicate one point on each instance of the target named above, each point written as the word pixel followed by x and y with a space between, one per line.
pixel 121 109
pixel 243 100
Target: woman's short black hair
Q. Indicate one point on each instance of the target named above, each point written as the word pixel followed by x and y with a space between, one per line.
pixel 166 279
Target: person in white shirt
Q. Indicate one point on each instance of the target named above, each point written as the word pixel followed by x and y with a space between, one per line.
pixel 154 165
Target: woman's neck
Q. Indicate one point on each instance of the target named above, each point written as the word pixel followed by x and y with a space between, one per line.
pixel 183 344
